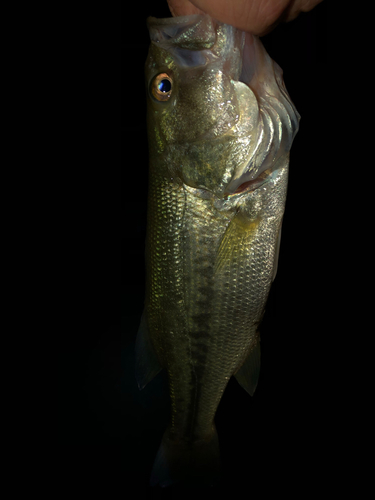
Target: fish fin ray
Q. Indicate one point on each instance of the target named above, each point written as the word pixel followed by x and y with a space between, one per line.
pixel 187 464
pixel 230 242
pixel 226 248
pixel 239 229
pixel 147 365
pixel 247 376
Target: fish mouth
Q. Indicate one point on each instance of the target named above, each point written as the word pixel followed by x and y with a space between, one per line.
pixel 251 171
pixel 278 119
pixel 257 168
pixel 249 59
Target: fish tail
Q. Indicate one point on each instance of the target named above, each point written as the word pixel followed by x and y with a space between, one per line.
pixel 187 463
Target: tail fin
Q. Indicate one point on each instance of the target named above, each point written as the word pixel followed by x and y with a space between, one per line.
pixel 187 463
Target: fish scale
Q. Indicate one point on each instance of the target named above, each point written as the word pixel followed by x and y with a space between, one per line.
pixel 211 326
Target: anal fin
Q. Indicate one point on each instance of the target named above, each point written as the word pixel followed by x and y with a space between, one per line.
pixel 247 376
pixel 146 362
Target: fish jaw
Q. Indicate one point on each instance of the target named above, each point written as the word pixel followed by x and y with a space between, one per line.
pixel 277 123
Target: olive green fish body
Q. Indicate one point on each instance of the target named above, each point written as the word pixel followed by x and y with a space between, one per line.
pixel 206 297
pixel 220 130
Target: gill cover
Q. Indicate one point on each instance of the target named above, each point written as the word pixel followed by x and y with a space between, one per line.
pixel 246 99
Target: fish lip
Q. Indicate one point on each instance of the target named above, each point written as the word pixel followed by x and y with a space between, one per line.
pixel 255 178
pixel 248 59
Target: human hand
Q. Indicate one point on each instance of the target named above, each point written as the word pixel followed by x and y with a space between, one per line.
pixel 256 16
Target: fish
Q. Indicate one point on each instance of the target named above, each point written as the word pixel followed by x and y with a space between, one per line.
pixel 220 128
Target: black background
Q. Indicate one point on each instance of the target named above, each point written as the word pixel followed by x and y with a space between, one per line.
pixel 105 423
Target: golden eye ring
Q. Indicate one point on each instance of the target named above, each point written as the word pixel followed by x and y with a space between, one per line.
pixel 161 87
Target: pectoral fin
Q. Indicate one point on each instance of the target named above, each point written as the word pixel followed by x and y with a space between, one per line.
pixel 247 376
pixel 240 229
pixel 146 362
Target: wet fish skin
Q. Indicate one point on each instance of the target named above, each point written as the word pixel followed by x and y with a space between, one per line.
pixel 219 154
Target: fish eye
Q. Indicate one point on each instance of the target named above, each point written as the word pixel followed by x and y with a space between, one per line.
pixel 161 87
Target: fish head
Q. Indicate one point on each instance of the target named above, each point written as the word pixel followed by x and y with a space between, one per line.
pixel 219 115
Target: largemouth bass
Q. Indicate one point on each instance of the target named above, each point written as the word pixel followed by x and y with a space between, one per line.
pixel 220 128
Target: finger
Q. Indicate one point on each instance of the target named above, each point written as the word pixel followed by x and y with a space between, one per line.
pixel 297 7
pixel 183 8
pixel 256 16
